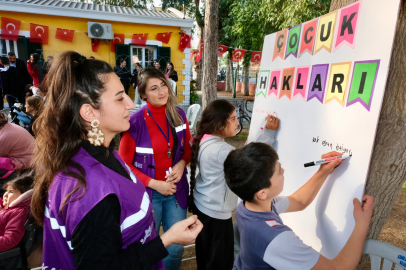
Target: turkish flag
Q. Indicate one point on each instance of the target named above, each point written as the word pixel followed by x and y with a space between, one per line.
pixel 256 58
pixel 39 33
pixel 192 53
pixel 198 56
pixel 118 39
pixel 201 46
pixel 64 34
pixel 164 37
pixel 140 39
pixel 10 29
pixel 238 54
pixel 222 49
pixel 95 43
pixel 184 42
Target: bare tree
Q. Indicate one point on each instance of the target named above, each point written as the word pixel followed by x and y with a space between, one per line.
pixel 209 83
pixel 387 171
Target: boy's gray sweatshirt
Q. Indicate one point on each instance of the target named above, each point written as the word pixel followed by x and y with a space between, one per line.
pixel 211 194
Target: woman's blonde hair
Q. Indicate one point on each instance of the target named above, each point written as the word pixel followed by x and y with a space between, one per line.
pixel 172 108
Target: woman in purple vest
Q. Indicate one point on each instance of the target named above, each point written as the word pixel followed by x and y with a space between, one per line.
pixel 159 134
pixel 96 214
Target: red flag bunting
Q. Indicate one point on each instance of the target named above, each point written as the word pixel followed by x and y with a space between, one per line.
pixel 256 58
pixel 140 39
pixel 118 39
pixel 198 56
pixel 10 29
pixel 192 53
pixel 64 34
pixel 201 46
pixel 238 54
pixel 95 43
pixel 184 42
pixel 222 49
pixel 39 33
pixel 164 37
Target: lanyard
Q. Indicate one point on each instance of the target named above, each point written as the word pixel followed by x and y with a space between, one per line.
pixel 167 126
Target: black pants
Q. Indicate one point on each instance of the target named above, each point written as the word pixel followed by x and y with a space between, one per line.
pixel 215 243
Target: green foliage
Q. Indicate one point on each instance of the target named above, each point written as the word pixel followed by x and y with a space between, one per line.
pixel 193 95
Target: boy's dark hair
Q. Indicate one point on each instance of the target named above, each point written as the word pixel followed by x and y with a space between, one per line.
pixel 21 183
pixel 5 61
pixel 249 169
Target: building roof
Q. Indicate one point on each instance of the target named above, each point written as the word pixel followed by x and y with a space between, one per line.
pixel 172 17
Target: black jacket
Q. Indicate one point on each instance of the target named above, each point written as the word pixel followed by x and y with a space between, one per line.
pixel 134 78
pixel 174 76
pixel 13 83
pixel 124 76
pixel 22 67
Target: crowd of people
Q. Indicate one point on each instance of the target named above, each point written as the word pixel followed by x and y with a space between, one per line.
pixel 102 209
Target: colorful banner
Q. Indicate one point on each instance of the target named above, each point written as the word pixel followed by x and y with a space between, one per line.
pixel 287 82
pixel 221 50
pixel 317 84
pixel 262 84
pixel 256 58
pixel 300 85
pixel 274 83
pixel 338 82
pixel 292 45
pixel 325 32
pixel 347 26
pixel 279 48
pixel 308 37
pixel 363 83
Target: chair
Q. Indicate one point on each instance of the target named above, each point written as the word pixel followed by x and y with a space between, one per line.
pixel 31 239
pixel 378 250
pixel 192 116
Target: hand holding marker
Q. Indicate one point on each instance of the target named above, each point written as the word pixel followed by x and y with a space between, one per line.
pixel 326 160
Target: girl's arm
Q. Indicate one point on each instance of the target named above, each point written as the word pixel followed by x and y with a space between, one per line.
pixel 269 132
pixel 15 230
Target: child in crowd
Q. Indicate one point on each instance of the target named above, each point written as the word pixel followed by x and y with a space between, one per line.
pixel 256 176
pixel 14 209
pixel 33 106
pixel 210 198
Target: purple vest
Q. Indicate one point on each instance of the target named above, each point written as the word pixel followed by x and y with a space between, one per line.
pixel 144 154
pixel 136 219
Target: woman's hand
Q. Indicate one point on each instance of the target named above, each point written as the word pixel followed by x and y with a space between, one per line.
pixel 328 168
pixel 177 172
pixel 162 187
pixel 183 232
pixel 272 122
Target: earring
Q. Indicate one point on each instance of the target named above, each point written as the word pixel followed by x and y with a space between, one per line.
pixel 95 136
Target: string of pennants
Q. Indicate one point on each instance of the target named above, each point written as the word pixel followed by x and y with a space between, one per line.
pixel 40 34
pixel 323 82
pixel 237 56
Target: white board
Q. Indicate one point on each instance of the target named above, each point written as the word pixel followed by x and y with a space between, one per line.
pixel 328 222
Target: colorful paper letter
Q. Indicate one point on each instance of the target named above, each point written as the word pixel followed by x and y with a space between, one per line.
pixel 287 82
pixel 338 82
pixel 262 86
pixel 325 32
pixel 292 44
pixel 347 26
pixel 280 44
pixel 274 83
pixel 308 37
pixel 300 85
pixel 317 84
pixel 363 83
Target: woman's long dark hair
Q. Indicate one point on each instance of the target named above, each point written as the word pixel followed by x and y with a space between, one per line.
pixel 214 120
pixel 72 81
pixel 34 63
pixel 172 69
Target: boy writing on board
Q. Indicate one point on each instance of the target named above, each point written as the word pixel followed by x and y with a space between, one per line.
pixel 255 175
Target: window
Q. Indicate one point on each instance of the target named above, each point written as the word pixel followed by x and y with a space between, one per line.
pixel 144 55
pixel 8 46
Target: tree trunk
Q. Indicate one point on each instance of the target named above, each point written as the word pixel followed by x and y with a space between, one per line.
pixel 211 20
pixel 387 170
pixel 199 65
pixel 246 79
pixel 229 75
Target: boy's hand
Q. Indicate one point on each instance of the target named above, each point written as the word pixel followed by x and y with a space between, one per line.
pixel 328 168
pixel 272 122
pixel 363 213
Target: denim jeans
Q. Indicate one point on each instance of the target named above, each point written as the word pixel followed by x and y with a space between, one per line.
pixel 167 212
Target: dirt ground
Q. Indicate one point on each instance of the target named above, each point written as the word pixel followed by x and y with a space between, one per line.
pixel 394 231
